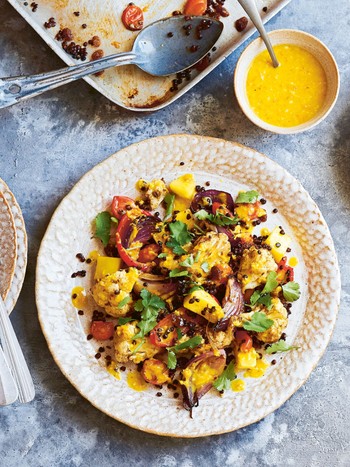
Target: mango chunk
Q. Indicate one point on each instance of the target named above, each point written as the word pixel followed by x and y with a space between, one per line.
pixel 184 186
pixel 278 242
pixel 202 303
pixel 106 265
pixel 181 204
pixel 186 217
pixel 246 360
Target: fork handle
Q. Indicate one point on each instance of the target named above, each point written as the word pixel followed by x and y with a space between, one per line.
pixel 15 358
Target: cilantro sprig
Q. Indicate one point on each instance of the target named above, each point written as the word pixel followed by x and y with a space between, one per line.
pixel 291 291
pixel 280 346
pixel 178 273
pixel 179 236
pixel 189 344
pixel 103 227
pixel 247 197
pixel 124 302
pixel 263 297
pixel 258 323
pixel 169 201
pixel 218 218
pixel 224 380
pixel 149 306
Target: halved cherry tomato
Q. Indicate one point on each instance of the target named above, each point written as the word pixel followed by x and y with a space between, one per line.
pixel 244 340
pixel 120 205
pixel 285 273
pixel 149 253
pixel 102 330
pixel 155 371
pixel 165 333
pixel 195 7
pixel 132 17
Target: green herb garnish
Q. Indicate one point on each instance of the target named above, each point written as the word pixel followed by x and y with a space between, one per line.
pixel 224 380
pixel 263 297
pixel 280 346
pixel 179 236
pixel 218 218
pixel 188 262
pixel 172 360
pixel 247 197
pixel 122 321
pixel 124 301
pixel 189 344
pixel 149 306
pixel 178 273
pixel 162 255
pixel 205 267
pixel 169 201
pixel 291 291
pixel 195 287
pixel 103 227
pixel 259 322
pixel 138 346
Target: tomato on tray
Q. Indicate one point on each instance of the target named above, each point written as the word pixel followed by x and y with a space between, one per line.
pixel 165 333
pixel 196 7
pixel 132 17
pixel 120 205
pixel 244 340
pixel 102 330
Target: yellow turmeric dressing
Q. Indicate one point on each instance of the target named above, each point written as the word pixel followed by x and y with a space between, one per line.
pixel 79 298
pixel 238 385
pixel 293 262
pixel 113 371
pixel 258 371
pixel 136 382
pixel 291 94
pixel 93 255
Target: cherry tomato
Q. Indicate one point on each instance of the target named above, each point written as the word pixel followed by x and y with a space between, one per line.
pixel 119 205
pixel 102 330
pixel 285 273
pixel 132 17
pixel 165 333
pixel 155 371
pixel 195 7
pixel 244 340
pixel 149 253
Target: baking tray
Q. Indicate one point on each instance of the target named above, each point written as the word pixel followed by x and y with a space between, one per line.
pixel 128 86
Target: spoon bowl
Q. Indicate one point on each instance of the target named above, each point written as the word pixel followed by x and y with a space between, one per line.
pixel 163 48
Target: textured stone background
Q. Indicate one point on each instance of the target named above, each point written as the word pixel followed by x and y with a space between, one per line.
pixel 48 143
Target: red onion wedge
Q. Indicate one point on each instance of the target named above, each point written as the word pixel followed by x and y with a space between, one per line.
pixel 232 304
pixel 205 199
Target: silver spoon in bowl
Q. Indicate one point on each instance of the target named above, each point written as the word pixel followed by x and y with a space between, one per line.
pixel 249 6
pixel 163 48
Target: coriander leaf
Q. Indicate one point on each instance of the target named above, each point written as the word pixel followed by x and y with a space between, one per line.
pixel 124 301
pixel 224 380
pixel 113 219
pixel 247 197
pixel 176 247
pixel 178 273
pixel 179 333
pixel 189 344
pixel 122 321
pixel 265 299
pixel 258 323
pixel 172 360
pixel 103 227
pixel 196 258
pixel 194 288
pixel 279 346
pixel 202 215
pixel 162 255
pixel 188 262
pixel 149 306
pixel 271 283
pixel 205 267
pixel 138 346
pixel 218 218
pixel 254 298
pixel 169 200
pixel 179 232
pixel 291 291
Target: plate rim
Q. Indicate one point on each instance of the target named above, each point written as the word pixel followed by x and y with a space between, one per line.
pixel 335 278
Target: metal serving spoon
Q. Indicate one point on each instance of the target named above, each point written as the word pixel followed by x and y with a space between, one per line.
pixel 249 6
pixel 163 48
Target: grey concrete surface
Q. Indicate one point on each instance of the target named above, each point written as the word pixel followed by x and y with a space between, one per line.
pixel 48 143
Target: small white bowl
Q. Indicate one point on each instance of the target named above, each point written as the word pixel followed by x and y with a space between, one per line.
pixel 307 42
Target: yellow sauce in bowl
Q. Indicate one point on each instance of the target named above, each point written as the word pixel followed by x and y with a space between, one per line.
pixel 291 94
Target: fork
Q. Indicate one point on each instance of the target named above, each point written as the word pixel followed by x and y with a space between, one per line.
pixel 15 358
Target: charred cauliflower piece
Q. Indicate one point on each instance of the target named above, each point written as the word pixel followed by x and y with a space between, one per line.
pixel 125 345
pixel 254 267
pixel 211 249
pixel 152 193
pixel 112 289
pixel 280 320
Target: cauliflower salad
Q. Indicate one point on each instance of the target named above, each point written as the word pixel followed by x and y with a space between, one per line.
pixel 193 297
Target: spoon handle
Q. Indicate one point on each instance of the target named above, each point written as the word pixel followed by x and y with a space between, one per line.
pixel 8 387
pixel 17 88
pixel 249 6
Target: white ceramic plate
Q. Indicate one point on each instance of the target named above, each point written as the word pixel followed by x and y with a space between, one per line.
pixel 7 247
pixel 21 247
pixel 228 166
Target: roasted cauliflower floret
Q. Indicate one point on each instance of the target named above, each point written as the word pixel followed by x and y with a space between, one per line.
pixel 152 193
pixel 279 316
pixel 254 267
pixel 112 289
pixel 220 339
pixel 125 345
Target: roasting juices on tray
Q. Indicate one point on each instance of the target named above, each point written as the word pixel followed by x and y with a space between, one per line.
pixel 192 297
